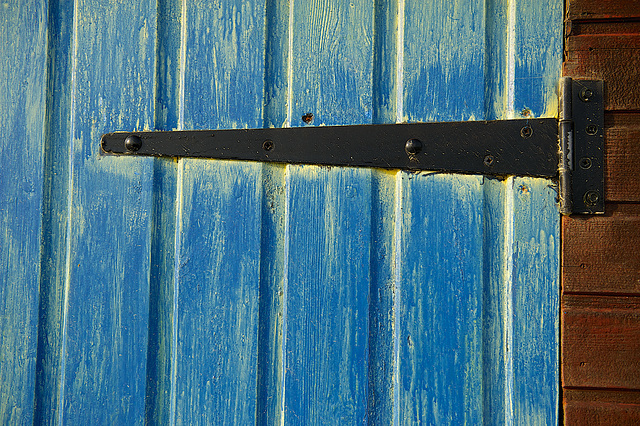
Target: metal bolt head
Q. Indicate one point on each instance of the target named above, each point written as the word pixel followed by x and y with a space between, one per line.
pixel 526 132
pixel 592 129
pixel 591 198
pixel 586 94
pixel 585 163
pixel 489 160
pixel 413 146
pixel 133 143
pixel 267 145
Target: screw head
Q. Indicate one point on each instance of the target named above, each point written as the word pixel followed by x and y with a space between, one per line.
pixel 413 146
pixel 586 94
pixel 489 160
pixel 591 198
pixel 526 132
pixel 267 145
pixel 585 163
pixel 133 143
pixel 592 129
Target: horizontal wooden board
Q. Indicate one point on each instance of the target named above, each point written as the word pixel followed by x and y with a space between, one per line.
pixel 613 58
pixel 601 341
pixel 600 252
pixel 622 156
pixel 599 9
pixel 601 407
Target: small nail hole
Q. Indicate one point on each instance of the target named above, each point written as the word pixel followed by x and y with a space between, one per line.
pixel 307 118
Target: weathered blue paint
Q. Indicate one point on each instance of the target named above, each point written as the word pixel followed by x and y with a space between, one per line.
pixel 194 291
pixel 218 220
pixel 23 48
pixel 106 288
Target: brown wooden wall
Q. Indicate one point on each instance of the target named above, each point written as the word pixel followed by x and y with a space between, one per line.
pixel 601 254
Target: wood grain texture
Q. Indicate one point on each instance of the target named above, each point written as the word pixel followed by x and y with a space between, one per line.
pixel 216 308
pixel 622 156
pixel 599 9
pixel 601 407
pixel 444 45
pixel 328 222
pixel 600 252
pixel 218 222
pixel 326 287
pixel 536 271
pixel 614 58
pixel 601 343
pixel 55 212
pixel 106 308
pixel 439 290
pixel 22 99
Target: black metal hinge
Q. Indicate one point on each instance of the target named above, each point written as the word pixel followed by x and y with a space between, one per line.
pixel 525 147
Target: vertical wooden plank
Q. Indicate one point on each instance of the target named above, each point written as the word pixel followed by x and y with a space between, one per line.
pixel 163 240
pixel 439 308
pixel 331 62
pixel 535 298
pixel 328 228
pixel 534 61
pixel 439 231
pixel 106 290
pixel 272 261
pixel 216 312
pixel 326 292
pixel 23 49
pixel 214 377
pixel 534 57
pixel 55 210
pixel 443 60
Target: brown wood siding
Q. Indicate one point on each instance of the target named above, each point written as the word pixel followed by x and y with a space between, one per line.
pixel 601 254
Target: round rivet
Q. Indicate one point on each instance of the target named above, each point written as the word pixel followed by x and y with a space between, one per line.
pixel 592 129
pixel 413 146
pixel 586 94
pixel 133 143
pixel 267 145
pixel 591 198
pixel 585 163
pixel 526 132
pixel 489 160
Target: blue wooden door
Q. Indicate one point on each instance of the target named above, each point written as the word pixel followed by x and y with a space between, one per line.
pixel 139 290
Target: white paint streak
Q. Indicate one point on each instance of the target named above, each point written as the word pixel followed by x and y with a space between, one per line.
pixel 509 216
pixel 176 289
pixel 183 64
pixel 511 59
pixel 285 290
pixel 287 122
pixel 400 64
pixel 69 224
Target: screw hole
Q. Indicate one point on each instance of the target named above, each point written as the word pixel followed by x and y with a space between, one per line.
pixel 585 163
pixel 586 94
pixel 526 132
pixel 591 198
pixel 307 118
pixel 489 160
